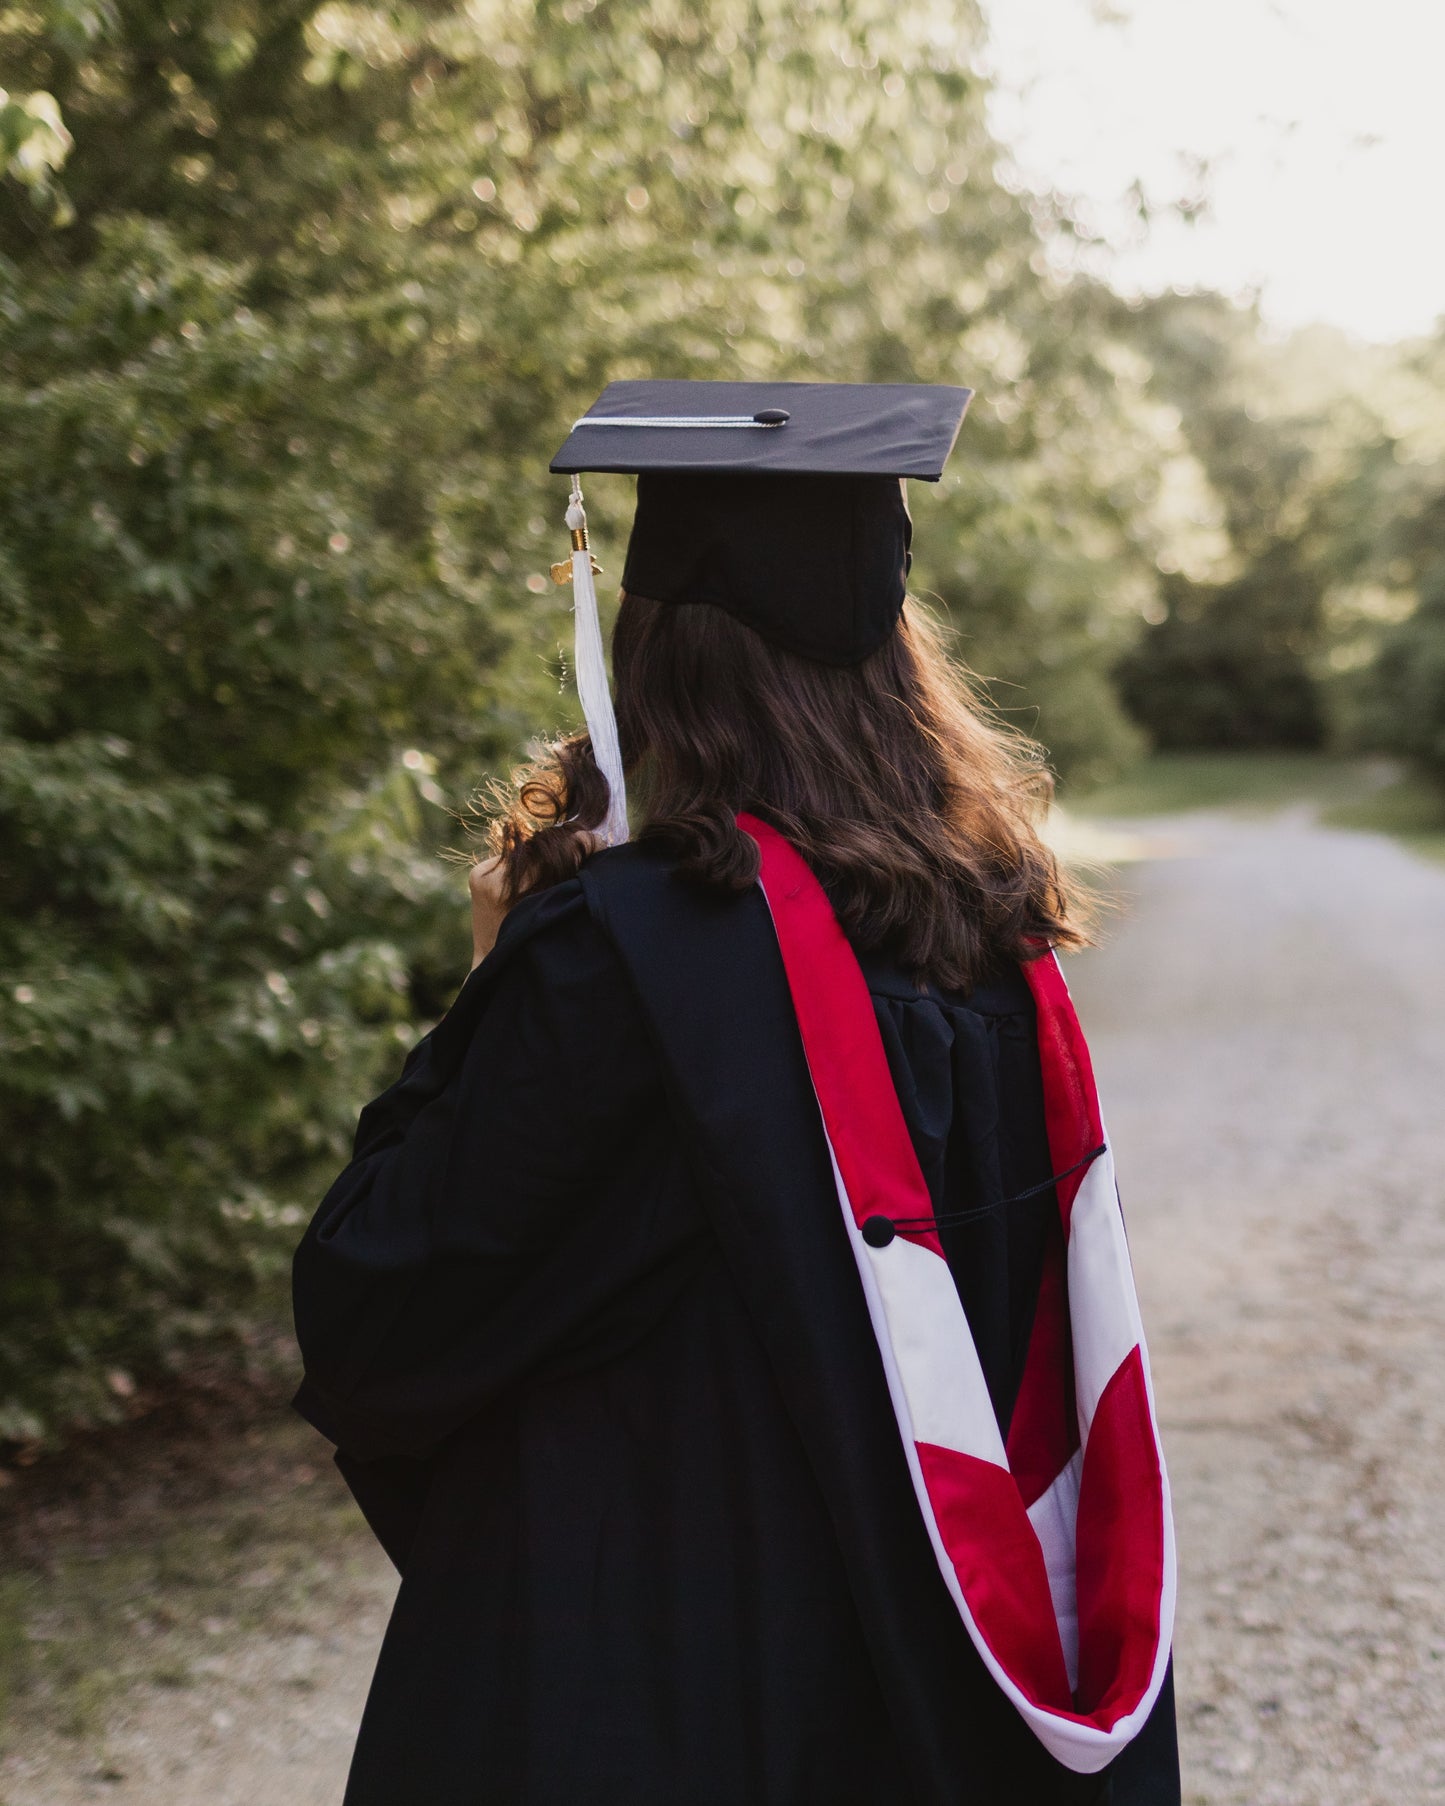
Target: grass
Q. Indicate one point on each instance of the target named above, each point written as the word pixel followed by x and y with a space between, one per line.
pixel 1243 783
pixel 14 1642
pixel 1363 795
pixel 1407 808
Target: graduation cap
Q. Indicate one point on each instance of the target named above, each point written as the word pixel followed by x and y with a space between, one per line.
pixel 781 503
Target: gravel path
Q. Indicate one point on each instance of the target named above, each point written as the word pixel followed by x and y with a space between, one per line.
pixel 1268 1019
pixel 1269 1027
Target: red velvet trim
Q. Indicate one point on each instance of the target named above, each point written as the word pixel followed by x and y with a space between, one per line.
pixel 843 1046
pixel 1043 1432
pixel 1120 1548
pixel 1001 1569
pixel 1071 1103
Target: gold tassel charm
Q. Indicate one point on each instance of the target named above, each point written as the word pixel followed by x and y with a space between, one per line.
pixel 562 570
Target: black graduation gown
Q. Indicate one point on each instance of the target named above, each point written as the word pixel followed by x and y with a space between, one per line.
pixel 581 1318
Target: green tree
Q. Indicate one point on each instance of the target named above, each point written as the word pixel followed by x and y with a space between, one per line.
pixel 1390 611
pixel 1240 649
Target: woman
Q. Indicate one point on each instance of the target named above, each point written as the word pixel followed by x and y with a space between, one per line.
pixel 582 1316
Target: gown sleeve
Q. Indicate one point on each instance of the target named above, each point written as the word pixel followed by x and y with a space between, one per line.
pixel 462 1251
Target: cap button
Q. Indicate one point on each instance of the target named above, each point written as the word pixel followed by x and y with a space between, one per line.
pixel 772 417
pixel 878 1231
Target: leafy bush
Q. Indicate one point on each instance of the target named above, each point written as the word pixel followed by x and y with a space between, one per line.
pixel 214 924
pixel 1229 666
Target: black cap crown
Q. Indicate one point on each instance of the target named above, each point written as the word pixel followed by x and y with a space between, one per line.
pixel 779 502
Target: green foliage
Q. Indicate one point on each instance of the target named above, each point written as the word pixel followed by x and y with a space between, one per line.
pixel 1236 652
pixel 1229 665
pixel 218 918
pixel 287 335
pixel 1402 703
pixel 1393 612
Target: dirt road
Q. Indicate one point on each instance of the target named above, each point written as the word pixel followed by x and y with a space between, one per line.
pixel 1269 1024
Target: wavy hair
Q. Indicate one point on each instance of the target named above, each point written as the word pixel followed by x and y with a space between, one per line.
pixel 914 807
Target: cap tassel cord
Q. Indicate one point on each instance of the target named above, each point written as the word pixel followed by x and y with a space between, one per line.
pixel 592 685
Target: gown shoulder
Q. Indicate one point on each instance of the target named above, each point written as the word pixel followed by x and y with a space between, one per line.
pixel 474 1178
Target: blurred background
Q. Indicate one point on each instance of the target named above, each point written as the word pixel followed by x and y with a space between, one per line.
pixel 296 301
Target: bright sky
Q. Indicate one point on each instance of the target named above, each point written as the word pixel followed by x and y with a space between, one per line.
pixel 1322 123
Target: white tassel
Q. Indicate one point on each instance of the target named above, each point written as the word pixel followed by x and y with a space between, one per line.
pixel 592 686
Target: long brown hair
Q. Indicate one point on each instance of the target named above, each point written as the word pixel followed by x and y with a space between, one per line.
pixel 916 810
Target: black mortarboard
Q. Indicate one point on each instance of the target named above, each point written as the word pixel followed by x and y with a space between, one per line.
pixel 779 502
